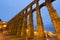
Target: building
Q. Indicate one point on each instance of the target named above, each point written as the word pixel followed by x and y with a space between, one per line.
pixel 3 25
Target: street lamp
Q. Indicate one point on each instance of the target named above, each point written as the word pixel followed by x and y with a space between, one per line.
pixel 4 25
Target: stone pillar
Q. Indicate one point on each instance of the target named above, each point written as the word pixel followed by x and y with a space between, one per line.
pixel 56 24
pixel 40 28
pixel 54 18
pixel 24 26
pixel 52 12
pixel 14 29
pixel 30 25
pixel 8 28
pixel 19 27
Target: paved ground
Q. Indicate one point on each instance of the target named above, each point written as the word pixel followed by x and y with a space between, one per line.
pixel 12 37
pixel 6 37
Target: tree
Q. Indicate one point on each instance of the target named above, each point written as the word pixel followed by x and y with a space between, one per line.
pixel 0 20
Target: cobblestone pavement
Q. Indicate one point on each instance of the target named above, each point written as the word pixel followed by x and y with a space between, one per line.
pixel 13 37
pixel 6 37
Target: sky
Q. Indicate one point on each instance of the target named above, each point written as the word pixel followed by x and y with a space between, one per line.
pixel 9 8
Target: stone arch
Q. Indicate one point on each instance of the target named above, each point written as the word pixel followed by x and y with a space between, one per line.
pixel 46 19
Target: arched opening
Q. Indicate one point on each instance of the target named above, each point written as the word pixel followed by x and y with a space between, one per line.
pixel 27 19
pixel 46 20
pixel 48 25
pixel 34 20
pixel 56 6
pixel 28 9
pixel 41 1
pixel 33 6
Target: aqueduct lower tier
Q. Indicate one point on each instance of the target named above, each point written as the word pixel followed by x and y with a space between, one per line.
pixel 18 24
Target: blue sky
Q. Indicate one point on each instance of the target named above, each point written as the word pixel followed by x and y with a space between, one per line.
pixel 9 8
